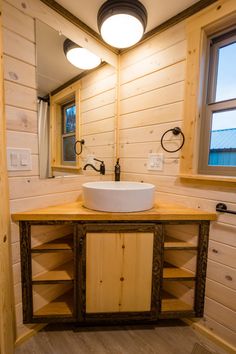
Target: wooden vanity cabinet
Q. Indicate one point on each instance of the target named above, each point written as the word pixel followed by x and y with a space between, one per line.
pixel 93 272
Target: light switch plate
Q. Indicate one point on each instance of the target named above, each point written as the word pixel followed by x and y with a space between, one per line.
pixel 19 159
pixel 155 162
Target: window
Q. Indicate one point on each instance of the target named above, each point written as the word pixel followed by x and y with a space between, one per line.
pixel 65 128
pixel 218 128
pixel 206 100
pixel 68 133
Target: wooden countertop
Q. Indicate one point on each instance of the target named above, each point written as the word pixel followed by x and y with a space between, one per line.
pixel 76 211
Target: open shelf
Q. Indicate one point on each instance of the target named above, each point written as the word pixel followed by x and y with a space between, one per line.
pixel 61 306
pixel 61 244
pixel 173 273
pixel 172 243
pixel 64 272
pixel 170 303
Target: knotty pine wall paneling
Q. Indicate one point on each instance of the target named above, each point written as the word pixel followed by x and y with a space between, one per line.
pixel 27 191
pixel 152 99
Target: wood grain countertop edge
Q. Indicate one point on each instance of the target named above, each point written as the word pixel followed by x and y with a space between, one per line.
pixel 77 212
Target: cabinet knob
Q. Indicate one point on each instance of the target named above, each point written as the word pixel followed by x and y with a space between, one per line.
pixel 214 250
pixel 122 279
pixel 228 277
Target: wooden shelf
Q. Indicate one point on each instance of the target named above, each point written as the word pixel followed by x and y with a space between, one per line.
pixel 173 273
pixel 61 306
pixel 63 272
pixel 60 244
pixel 172 243
pixel 170 303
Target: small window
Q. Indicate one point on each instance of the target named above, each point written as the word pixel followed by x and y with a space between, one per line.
pixel 218 131
pixel 65 129
pixel 68 132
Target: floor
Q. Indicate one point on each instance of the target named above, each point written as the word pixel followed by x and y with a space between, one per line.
pixel 168 337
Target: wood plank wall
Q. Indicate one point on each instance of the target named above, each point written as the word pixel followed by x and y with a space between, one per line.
pixel 98 113
pixel 152 97
pixel 6 284
pixel 152 93
pixel 27 191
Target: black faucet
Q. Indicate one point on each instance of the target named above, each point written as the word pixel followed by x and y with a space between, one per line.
pixel 117 170
pixel 101 169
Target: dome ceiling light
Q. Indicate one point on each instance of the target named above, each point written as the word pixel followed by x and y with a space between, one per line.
pixel 80 57
pixel 122 23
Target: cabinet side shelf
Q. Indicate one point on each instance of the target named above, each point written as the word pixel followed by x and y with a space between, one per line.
pixel 173 273
pixel 61 306
pixel 170 303
pixel 60 244
pixel 64 272
pixel 172 243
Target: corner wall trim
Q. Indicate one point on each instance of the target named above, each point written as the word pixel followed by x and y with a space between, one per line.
pixel 183 15
pixel 77 22
pixel 29 334
pixel 200 5
pixel 212 336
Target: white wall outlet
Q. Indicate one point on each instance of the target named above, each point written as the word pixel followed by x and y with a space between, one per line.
pixel 19 159
pixel 89 159
pixel 155 162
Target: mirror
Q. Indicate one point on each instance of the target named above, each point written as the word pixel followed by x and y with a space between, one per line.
pixel 62 90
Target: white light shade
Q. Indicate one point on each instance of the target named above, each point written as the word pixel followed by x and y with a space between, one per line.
pixel 122 30
pixel 82 58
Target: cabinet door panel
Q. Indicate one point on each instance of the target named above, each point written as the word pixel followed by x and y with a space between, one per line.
pixel 103 260
pixel 119 272
pixel 137 272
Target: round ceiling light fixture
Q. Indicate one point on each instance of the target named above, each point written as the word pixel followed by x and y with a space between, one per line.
pixel 121 22
pixel 80 57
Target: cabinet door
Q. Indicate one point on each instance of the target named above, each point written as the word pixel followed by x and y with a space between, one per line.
pixel 119 271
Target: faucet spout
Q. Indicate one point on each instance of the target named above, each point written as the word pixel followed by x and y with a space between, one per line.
pixel 102 169
pixel 89 164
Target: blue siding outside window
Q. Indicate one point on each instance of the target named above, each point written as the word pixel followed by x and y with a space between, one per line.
pixel 223 148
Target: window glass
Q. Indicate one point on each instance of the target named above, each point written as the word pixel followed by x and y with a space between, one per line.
pixel 68 148
pixel 223 139
pixel 69 113
pixel 226 73
pixel 218 143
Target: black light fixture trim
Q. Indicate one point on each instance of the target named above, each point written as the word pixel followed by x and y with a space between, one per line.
pixel 69 44
pixel 114 7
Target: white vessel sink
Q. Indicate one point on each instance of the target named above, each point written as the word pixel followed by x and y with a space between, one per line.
pixel 118 196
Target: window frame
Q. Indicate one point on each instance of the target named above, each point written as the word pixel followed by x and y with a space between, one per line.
pixel 57 102
pixel 199 27
pixel 211 106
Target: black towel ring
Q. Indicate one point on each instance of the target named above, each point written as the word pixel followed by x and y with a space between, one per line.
pixel 81 146
pixel 175 131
